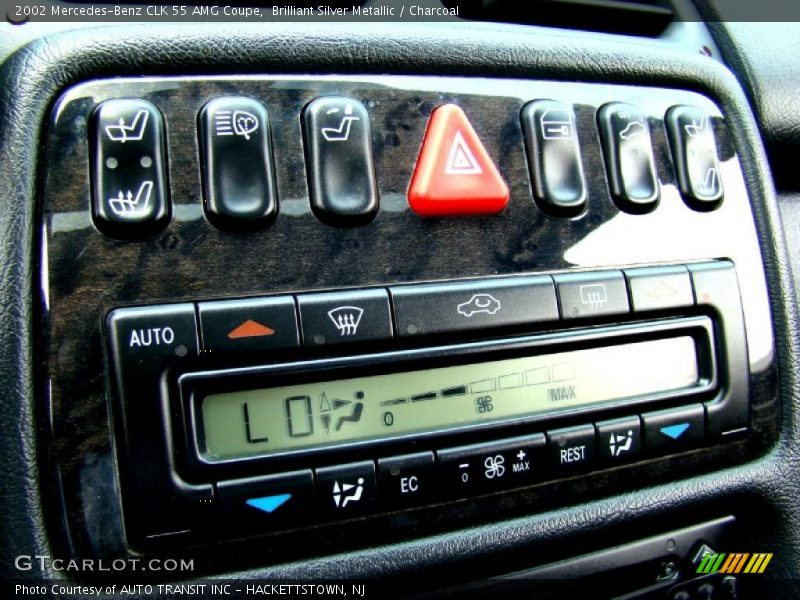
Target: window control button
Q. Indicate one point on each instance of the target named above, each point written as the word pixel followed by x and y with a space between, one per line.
pixel 554 157
pixel 341 175
pixel 129 183
pixel 629 157
pixel 238 175
pixel 694 149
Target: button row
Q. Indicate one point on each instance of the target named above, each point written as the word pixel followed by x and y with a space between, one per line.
pixel 342 491
pixel 332 318
pixel 147 335
pixel 317 319
pixel 454 174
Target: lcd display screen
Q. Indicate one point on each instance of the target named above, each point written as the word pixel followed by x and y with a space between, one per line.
pixel 260 422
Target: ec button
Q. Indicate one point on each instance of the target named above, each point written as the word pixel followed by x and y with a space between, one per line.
pixel 405 480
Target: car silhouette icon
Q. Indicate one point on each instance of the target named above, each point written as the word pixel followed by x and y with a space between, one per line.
pixel 479 303
pixel 633 129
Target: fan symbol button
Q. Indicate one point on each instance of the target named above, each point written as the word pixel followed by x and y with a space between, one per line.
pixel 494 466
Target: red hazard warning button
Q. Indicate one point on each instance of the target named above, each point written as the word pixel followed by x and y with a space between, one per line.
pixel 454 173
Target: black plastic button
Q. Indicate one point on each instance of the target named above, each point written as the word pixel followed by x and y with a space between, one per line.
pixel 144 341
pixel 655 288
pixel 629 157
pixel 253 325
pixel 150 337
pixel 272 502
pixel 406 480
pixel 716 285
pixel 554 157
pixel 572 448
pixel 694 149
pixel 129 194
pixel 341 175
pixel 345 317
pixel 592 294
pixel 497 465
pixel 470 305
pixel 238 178
pixel 345 490
pixel 673 430
pixel 619 440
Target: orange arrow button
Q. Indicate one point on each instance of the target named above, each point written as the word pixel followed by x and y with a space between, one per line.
pixel 250 329
pixel 454 173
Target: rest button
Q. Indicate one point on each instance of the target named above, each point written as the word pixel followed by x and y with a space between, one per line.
pixel 572 448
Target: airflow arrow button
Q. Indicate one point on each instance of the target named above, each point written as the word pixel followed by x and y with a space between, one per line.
pixel 252 325
pixel 249 329
pixel 675 429
pixel 269 504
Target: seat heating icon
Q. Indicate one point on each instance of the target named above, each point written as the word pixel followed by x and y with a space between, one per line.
pixel 127 206
pixel 133 132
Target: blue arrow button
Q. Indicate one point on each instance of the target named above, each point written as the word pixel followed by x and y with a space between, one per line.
pixel 675 431
pixel 269 503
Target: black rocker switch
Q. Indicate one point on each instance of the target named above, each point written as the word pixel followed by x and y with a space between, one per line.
pixel 341 175
pixel 691 136
pixel 238 174
pixel 129 191
pixel 554 157
pixel 629 157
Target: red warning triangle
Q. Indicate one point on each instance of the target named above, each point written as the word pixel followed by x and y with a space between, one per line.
pixel 250 329
pixel 454 173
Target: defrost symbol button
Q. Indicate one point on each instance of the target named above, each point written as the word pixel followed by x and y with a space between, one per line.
pixel 345 317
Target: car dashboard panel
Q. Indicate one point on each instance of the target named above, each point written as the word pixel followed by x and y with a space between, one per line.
pixel 280 306
pixel 426 310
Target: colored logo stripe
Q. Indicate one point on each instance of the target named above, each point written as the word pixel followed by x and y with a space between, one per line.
pixel 734 563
